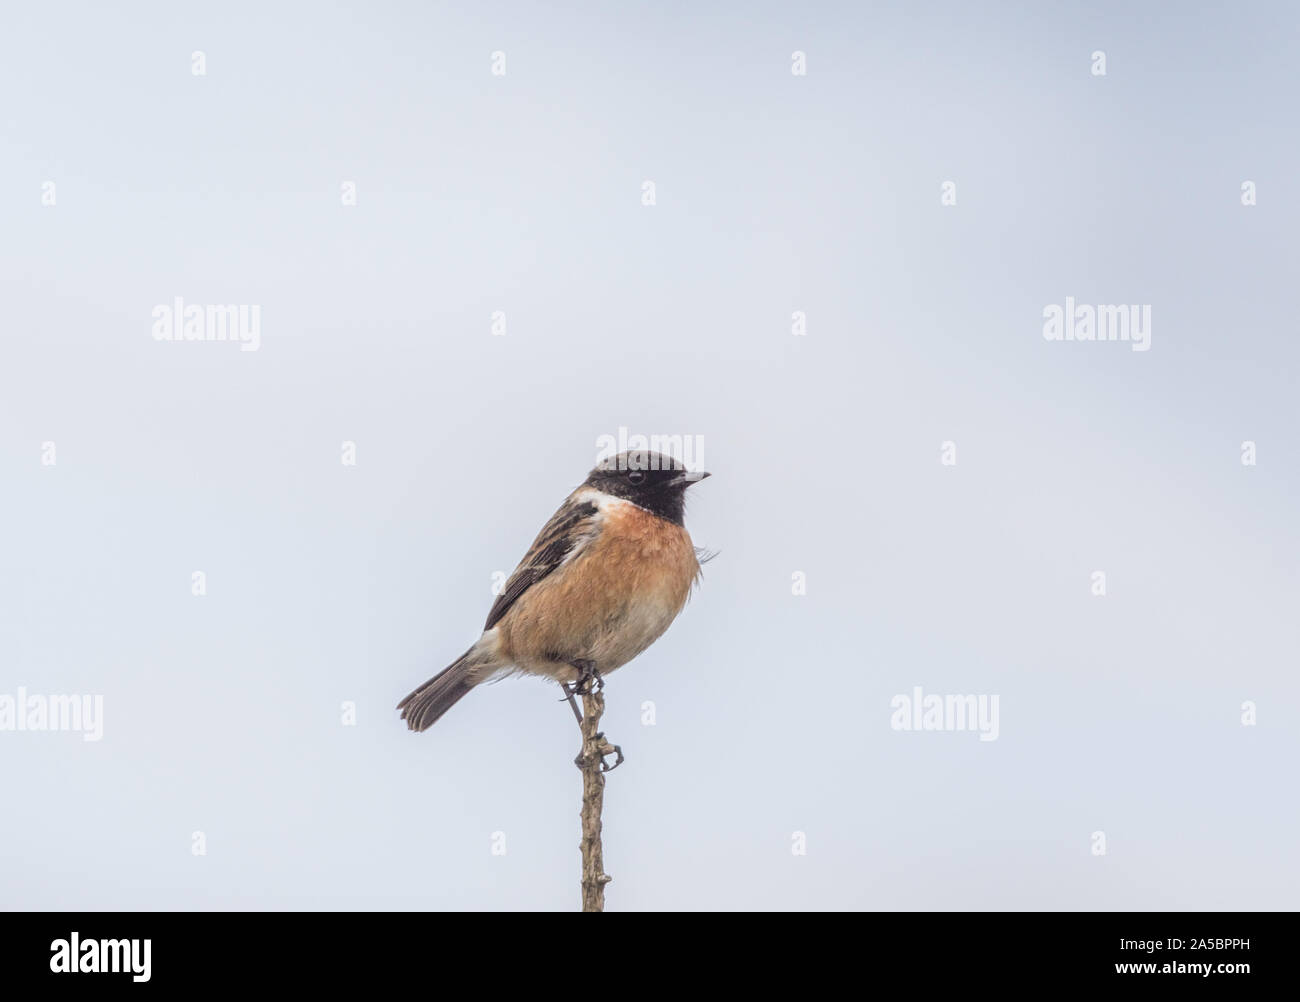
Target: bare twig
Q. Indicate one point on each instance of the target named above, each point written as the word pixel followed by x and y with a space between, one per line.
pixel 591 760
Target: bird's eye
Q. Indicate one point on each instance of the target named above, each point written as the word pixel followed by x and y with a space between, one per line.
pixel 635 476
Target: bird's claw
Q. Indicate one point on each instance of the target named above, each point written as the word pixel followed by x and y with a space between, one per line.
pixel 603 749
pixel 589 679
pixel 616 750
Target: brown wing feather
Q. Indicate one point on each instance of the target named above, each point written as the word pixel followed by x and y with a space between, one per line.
pixel 567 528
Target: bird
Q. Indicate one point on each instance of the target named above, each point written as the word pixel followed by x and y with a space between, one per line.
pixel 603 580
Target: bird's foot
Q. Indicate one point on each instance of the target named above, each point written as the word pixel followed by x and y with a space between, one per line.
pixel 602 750
pixel 613 750
pixel 589 679
pixel 569 693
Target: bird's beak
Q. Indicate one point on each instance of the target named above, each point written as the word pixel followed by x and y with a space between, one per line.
pixel 689 478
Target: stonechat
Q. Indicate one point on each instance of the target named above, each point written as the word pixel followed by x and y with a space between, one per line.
pixel 602 581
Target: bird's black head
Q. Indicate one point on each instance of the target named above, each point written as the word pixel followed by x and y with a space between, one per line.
pixel 649 479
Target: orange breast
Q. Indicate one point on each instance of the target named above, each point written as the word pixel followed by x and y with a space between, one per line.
pixel 609 603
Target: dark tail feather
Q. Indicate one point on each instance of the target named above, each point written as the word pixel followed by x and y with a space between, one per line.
pixel 422 708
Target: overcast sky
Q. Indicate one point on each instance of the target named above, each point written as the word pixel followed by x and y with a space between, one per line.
pixel 947 481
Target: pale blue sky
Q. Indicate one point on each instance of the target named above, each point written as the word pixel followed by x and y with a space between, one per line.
pixel 775 193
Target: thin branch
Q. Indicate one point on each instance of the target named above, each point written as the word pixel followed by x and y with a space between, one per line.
pixel 591 760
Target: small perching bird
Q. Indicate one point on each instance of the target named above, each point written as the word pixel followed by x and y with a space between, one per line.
pixel 604 579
